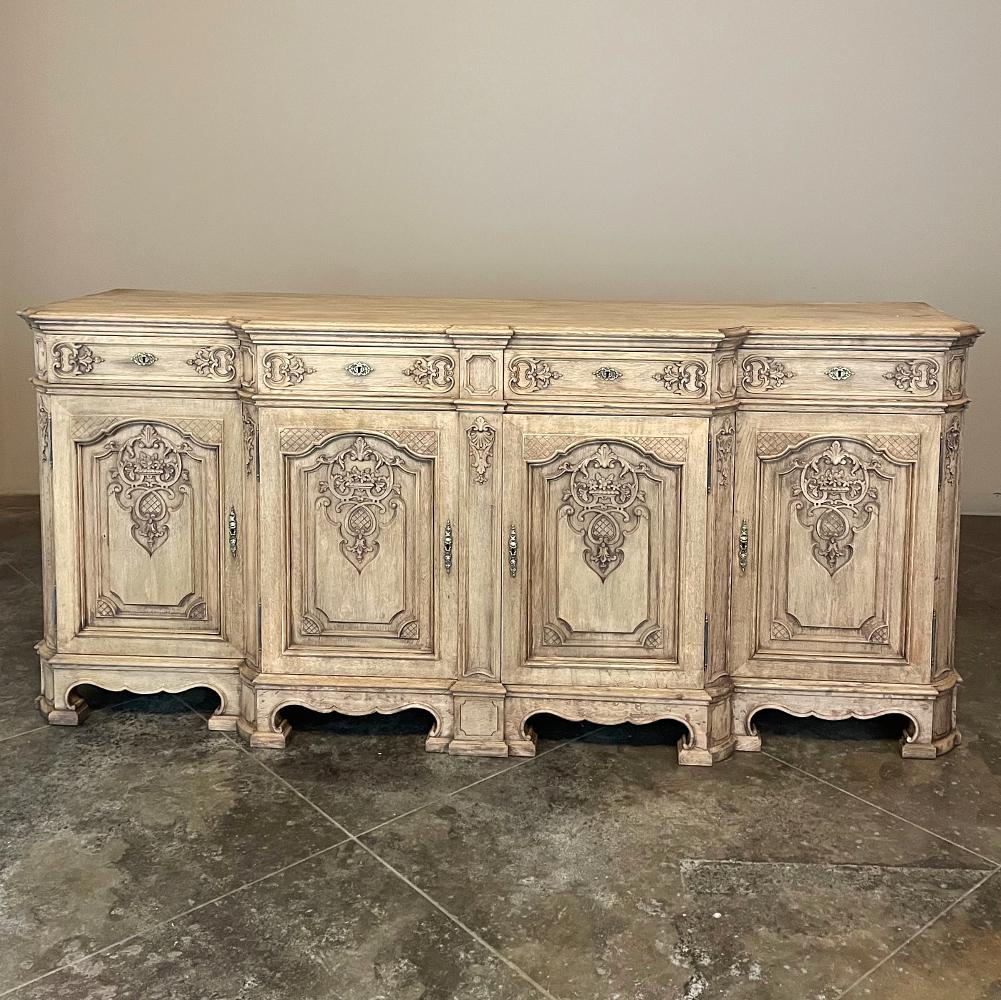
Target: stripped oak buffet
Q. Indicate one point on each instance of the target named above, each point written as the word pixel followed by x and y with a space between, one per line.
pixel 490 509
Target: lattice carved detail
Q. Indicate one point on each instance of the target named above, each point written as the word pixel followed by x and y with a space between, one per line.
pixel 201 429
pixel 543 447
pixel 360 496
pixel 298 440
pixel 904 447
pixel 603 503
pixel 835 498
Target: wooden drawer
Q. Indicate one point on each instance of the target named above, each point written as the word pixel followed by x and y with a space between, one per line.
pixel 357 372
pixel 887 375
pixel 609 375
pixel 137 360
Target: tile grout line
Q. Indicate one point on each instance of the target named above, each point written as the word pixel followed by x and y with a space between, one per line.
pixel 403 878
pixel 176 916
pixel 924 927
pixel 889 812
pixel 5 559
pixel 93 712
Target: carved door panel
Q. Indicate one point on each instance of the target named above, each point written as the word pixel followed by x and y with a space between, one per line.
pixel 357 560
pixel 607 532
pixel 835 523
pixel 147 526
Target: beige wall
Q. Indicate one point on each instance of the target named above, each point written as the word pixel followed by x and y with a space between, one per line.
pixel 628 148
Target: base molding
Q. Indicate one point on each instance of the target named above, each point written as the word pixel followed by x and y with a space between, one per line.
pixel 930 708
pixel 491 720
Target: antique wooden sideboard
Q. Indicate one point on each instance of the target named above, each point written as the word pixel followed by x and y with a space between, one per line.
pixel 490 510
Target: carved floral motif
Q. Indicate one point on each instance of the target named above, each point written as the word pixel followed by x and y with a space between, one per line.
pixel 835 499
pixel 724 452
pixel 285 369
pixel 764 374
pixel 481 437
pixel 74 359
pixel 249 439
pixel 215 362
pixel 952 452
pixel 149 481
pixel 603 503
pixel 361 489
pixel 432 373
pixel 683 378
pixel 532 374
pixel 916 375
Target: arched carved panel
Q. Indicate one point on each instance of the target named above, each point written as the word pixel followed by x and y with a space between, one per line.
pixel 359 521
pixel 835 527
pixel 149 493
pixel 604 527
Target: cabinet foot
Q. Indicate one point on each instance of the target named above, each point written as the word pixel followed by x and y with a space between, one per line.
pixel 931 749
pixel 265 739
pixel 74 712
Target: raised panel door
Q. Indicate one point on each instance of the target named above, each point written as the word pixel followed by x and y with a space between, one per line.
pixel 146 526
pixel 835 523
pixel 357 560
pixel 606 522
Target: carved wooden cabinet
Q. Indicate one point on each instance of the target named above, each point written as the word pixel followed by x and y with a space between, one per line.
pixel 491 510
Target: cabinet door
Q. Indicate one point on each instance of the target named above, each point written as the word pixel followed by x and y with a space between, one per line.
pixel 835 523
pixel 607 529
pixel 357 572
pixel 143 491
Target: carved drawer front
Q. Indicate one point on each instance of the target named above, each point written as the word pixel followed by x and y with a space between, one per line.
pixel 142 360
pixel 598 582
pixel 897 375
pixel 425 375
pixel 834 547
pixel 361 555
pixel 607 377
pixel 144 554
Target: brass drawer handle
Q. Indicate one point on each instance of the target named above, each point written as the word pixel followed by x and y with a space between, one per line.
pixel 512 551
pixel 446 547
pixel 742 547
pixel 144 359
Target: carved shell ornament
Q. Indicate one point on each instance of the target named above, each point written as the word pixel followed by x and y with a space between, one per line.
pixel 361 490
pixel 603 503
pixel 149 481
pixel 835 498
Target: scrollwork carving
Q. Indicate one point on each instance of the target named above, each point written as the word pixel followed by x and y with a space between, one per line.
pixel 603 503
pixel 432 372
pixel 149 481
pixel 282 370
pixel 215 362
pixel 481 437
pixel 361 489
pixel 683 377
pixel 916 375
pixel 74 359
pixel 764 374
pixel 532 374
pixel 835 498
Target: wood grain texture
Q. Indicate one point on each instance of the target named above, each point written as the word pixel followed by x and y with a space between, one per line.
pixel 490 510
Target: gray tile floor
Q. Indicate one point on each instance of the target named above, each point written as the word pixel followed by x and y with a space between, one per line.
pixel 143 857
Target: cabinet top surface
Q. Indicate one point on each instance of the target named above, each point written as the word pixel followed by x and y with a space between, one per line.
pixel 355 312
